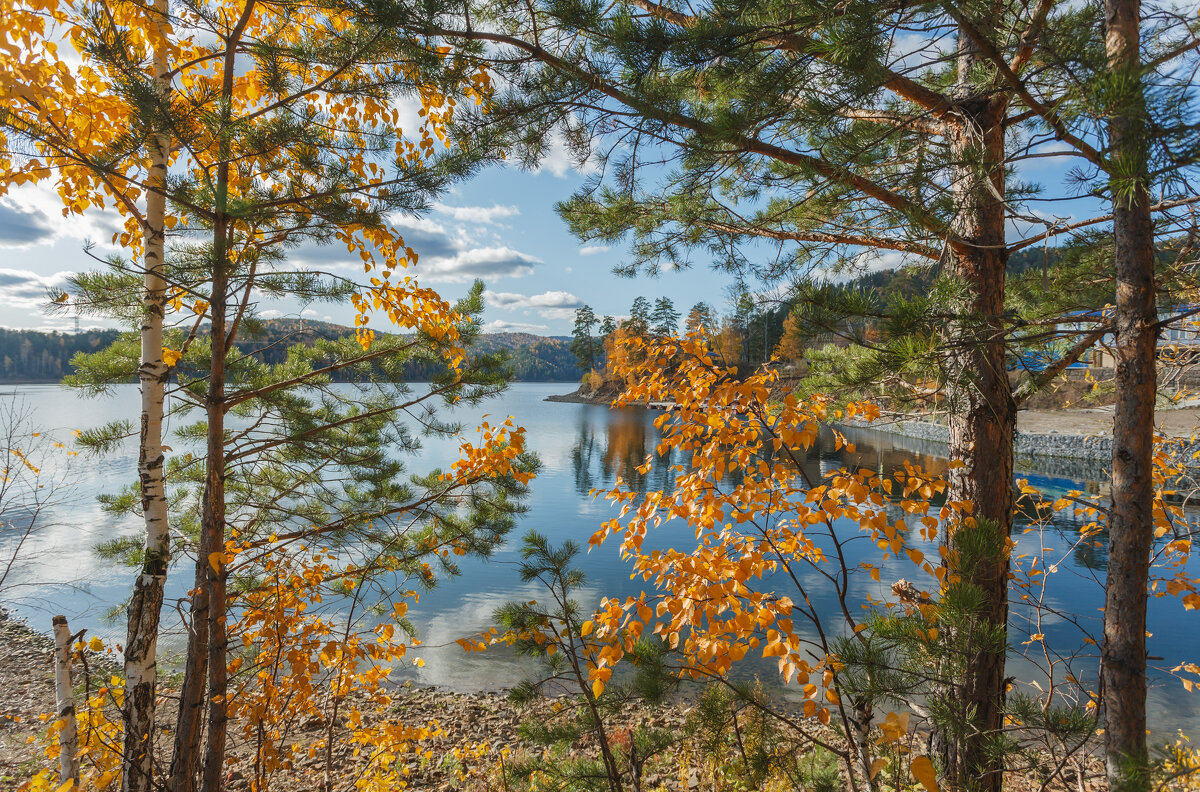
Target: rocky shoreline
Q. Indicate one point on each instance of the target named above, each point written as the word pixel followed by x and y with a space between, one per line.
pixel 474 729
pixel 581 396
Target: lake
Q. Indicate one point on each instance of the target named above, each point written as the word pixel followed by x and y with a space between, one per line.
pixel 581 447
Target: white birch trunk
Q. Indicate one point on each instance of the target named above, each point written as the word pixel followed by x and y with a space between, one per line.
pixel 145 607
pixel 68 736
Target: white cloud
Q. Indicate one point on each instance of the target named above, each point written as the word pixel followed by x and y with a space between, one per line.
pixel 547 299
pixel 478 214
pixel 877 261
pixel 557 313
pixel 448 253
pixel 559 161
pixel 25 289
pixel 487 262
pixel 501 326
pixel 22 227
pixel 41 203
pixel 591 250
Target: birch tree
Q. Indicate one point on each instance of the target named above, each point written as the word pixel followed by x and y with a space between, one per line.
pixel 87 127
pixel 280 128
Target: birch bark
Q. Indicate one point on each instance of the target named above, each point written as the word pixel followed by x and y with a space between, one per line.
pixel 68 736
pixel 145 605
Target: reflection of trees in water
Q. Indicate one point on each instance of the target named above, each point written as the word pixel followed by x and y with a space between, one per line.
pixel 629 435
pixel 626 447
pixel 582 454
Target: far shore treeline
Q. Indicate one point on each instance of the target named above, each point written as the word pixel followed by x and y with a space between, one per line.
pixel 32 356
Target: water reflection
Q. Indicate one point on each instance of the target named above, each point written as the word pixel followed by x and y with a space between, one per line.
pixel 586 448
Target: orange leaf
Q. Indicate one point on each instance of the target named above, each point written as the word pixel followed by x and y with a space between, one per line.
pixel 922 770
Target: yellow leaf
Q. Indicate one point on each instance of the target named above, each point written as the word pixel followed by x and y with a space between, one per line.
pixel 876 766
pixel 171 356
pixel 597 687
pixel 922 770
pixel 214 561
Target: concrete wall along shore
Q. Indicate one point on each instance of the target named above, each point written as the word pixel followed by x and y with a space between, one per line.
pixel 1053 444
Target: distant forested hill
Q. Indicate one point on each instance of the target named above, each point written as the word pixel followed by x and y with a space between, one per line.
pixel 34 356
pixel 910 281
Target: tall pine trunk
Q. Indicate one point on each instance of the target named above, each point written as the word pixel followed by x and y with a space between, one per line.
pixel 145 605
pixel 206 671
pixel 212 522
pixel 1131 521
pixel 205 666
pixel 185 760
pixel 982 413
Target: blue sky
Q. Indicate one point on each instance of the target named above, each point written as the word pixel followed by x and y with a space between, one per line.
pixel 499 226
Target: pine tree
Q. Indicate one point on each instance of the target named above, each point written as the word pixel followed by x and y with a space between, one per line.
pixel 878 160
pixel 639 315
pixel 584 344
pixel 282 130
pixel 664 321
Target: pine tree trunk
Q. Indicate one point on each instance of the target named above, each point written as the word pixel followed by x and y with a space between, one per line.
pixel 1131 521
pixel 185 760
pixel 68 736
pixel 982 413
pixel 145 605
pixel 213 517
pixel 205 670
pixel 208 659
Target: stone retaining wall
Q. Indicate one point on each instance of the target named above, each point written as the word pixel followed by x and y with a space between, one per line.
pixel 1069 446
pixel 1059 446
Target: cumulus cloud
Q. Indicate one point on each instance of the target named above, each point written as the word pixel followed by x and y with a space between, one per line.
pixel 559 160
pixel 23 226
pixel 501 326
pixel 877 261
pixel 25 289
pixel 547 299
pixel 40 205
pixel 478 214
pixel 444 254
pixel 498 261
pixel 591 250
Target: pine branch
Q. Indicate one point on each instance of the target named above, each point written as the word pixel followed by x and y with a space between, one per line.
pixel 937 104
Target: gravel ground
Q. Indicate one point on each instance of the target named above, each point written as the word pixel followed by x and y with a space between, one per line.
pixel 479 725
pixel 1182 422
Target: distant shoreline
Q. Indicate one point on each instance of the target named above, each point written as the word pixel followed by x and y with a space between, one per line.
pixel 133 381
pixel 603 396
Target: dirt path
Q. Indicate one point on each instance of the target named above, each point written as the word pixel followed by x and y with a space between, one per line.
pixel 1182 422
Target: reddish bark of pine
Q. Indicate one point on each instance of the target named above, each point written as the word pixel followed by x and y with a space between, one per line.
pixel 1131 521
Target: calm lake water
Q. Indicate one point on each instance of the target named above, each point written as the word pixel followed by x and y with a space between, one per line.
pixel 581 447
